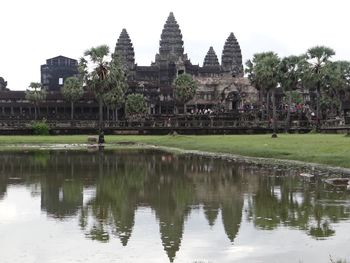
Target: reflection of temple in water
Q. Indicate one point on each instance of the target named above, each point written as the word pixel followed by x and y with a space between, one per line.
pixel 171 186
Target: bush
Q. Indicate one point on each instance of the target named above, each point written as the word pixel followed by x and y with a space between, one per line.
pixel 40 128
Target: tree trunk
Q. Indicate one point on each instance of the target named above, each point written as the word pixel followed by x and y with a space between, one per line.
pixel 71 110
pixel 35 112
pixel 287 124
pixel 268 105
pixel 261 98
pixel 185 108
pixel 116 114
pixel 108 113
pixel 100 119
pixel 274 114
pixel 318 106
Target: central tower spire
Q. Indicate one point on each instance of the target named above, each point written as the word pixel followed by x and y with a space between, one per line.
pixel 170 44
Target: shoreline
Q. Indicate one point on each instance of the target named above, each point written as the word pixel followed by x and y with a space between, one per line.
pixel 280 163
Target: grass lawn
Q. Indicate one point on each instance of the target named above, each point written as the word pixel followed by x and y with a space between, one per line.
pixel 318 148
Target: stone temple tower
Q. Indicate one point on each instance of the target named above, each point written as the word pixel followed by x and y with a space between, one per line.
pixel 211 59
pixel 231 60
pixel 125 49
pixel 171 45
pixel 171 59
pixel 211 65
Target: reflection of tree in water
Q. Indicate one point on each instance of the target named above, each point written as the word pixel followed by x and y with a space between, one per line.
pixel 290 201
pixel 115 202
pixel 3 185
pixel 20 168
pixel 61 198
pixel 171 186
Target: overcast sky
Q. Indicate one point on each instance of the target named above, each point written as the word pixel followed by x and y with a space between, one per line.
pixel 33 31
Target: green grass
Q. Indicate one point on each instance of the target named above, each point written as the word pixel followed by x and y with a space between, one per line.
pixel 327 149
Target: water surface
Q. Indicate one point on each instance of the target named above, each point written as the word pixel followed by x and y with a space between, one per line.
pixel 151 206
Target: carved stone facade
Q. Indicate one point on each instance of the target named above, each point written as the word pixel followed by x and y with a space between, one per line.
pixel 231 59
pixel 56 70
pixel 172 61
pixel 219 84
pixel 125 50
pixel 223 93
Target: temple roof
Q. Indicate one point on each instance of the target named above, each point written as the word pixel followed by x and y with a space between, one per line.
pixel 231 59
pixel 125 49
pixel 211 59
pixel 61 61
pixel 171 38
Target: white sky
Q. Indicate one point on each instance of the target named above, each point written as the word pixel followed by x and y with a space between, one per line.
pixel 33 31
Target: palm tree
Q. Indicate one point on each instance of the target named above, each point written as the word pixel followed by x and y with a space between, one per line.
pixel 318 59
pixel 339 88
pixel 291 69
pixel 94 69
pixel 35 94
pixel 263 71
pixel 72 91
pixel 115 96
pixel 185 89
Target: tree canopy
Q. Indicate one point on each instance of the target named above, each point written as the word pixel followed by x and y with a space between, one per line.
pixel 72 89
pixel 104 76
pixel 263 70
pixel 135 105
pixel 185 88
pixel 35 94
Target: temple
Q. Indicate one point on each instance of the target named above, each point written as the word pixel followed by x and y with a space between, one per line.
pixel 220 85
pixel 56 70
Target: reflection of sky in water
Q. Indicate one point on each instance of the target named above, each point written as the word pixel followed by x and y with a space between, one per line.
pixel 28 235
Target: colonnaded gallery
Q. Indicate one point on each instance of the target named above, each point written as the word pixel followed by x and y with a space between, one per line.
pixel 219 85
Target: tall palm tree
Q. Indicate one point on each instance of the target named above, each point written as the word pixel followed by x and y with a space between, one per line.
pixel 318 58
pixel 291 69
pixel 117 81
pixel 263 72
pixel 94 69
pixel 339 88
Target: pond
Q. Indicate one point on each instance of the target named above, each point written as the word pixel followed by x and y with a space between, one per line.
pixel 153 206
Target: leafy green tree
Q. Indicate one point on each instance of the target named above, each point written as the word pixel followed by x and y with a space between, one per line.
pixel 291 70
pixel 185 88
pixel 35 94
pixel 114 98
pixel 135 105
pixel 339 88
pixel 72 91
pixel 264 72
pixel 318 58
pixel 94 69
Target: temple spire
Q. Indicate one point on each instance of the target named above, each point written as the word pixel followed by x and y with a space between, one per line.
pixel 211 60
pixel 171 44
pixel 231 60
pixel 124 48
